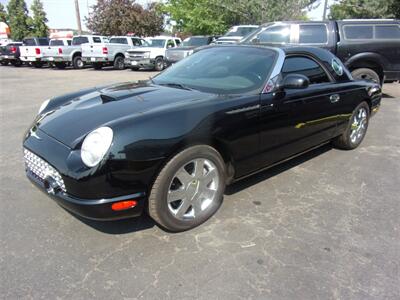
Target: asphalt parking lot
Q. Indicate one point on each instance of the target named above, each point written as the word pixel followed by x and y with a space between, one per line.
pixel 325 225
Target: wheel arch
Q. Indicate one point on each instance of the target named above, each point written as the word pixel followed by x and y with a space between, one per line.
pixel 371 61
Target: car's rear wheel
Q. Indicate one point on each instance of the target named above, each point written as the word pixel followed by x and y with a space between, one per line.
pixel 16 63
pixel 77 62
pixel 356 129
pixel 189 189
pixel 366 74
pixel 134 68
pixel 38 64
pixel 4 63
pixel 119 63
pixel 159 64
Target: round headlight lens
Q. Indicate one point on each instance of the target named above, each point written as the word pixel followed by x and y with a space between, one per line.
pixel 43 105
pixel 96 145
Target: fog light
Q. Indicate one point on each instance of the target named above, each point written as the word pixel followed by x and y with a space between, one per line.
pixel 122 205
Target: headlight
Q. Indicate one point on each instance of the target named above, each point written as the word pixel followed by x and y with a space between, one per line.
pixel 96 145
pixel 146 55
pixel 43 106
pixel 187 53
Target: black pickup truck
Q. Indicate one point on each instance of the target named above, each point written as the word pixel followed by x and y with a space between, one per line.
pixel 369 48
pixel 10 54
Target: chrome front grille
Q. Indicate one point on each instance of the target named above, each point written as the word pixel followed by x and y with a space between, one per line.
pixel 41 169
pixel 136 54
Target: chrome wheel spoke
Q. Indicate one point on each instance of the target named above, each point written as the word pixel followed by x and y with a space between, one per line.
pixel 210 176
pixel 198 168
pixel 175 195
pixel 182 209
pixel 184 177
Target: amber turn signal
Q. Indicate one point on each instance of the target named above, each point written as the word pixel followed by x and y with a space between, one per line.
pixel 122 205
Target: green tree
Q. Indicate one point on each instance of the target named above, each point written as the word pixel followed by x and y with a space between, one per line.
pixel 215 16
pixel 119 17
pixel 363 9
pixel 39 20
pixel 18 19
pixel 3 14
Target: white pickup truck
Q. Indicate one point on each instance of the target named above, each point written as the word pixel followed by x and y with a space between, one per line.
pixel 54 49
pixel 31 51
pixel 72 54
pixel 111 53
pixel 152 55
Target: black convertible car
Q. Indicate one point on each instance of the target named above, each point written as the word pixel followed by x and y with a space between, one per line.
pixel 170 145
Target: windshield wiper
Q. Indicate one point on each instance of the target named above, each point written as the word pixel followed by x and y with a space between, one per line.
pixel 176 85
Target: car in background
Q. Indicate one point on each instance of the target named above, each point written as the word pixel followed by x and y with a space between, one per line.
pixel 111 53
pixel 31 51
pixel 10 53
pixel 71 55
pixel 151 55
pixel 170 145
pixel 55 48
pixel 174 55
pixel 236 33
pixel 370 49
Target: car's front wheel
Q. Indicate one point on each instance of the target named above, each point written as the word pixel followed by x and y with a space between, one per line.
pixel 356 129
pixel 159 64
pixel 189 189
pixel 366 74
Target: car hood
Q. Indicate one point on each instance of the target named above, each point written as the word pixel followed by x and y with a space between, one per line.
pixel 76 117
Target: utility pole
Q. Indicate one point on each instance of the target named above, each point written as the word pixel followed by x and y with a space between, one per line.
pixel 325 9
pixel 78 17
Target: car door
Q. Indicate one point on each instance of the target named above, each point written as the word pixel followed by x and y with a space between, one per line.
pixel 298 119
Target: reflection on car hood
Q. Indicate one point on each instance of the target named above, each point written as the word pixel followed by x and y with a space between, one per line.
pixel 75 118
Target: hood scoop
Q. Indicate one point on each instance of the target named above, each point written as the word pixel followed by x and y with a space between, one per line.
pixel 105 98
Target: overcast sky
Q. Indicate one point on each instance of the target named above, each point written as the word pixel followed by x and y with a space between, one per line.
pixel 61 13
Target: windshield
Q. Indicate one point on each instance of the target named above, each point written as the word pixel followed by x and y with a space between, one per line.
pixel 156 43
pixel 196 41
pixel 240 31
pixel 221 70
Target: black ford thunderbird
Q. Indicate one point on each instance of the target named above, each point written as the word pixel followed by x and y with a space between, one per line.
pixel 171 144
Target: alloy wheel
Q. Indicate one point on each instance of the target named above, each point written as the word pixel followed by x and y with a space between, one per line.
pixel 193 189
pixel 359 125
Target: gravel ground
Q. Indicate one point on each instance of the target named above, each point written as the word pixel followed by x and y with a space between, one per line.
pixel 322 226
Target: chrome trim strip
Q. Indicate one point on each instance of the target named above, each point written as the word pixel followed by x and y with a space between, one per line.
pixel 244 109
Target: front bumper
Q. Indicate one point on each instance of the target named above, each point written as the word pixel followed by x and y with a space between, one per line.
pixel 89 194
pixel 98 209
pixel 139 63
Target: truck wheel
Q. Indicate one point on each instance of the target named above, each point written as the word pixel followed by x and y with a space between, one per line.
pixel 356 129
pixel 78 63
pixel 38 64
pixel 159 64
pixel 16 63
pixel 4 63
pixel 119 63
pixel 366 74
pixel 134 68
pixel 97 66
pixel 60 65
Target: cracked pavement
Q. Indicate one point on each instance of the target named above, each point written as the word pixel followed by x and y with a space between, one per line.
pixel 325 225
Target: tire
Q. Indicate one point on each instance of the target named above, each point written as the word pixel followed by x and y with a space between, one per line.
pixel 366 74
pixel 60 66
pixel 350 139
pixel 134 69
pixel 38 64
pixel 16 63
pixel 97 66
pixel 4 63
pixel 159 64
pixel 180 214
pixel 77 62
pixel 119 63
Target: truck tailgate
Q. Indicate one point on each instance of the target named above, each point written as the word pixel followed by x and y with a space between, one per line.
pixel 30 51
pixel 93 50
pixel 50 51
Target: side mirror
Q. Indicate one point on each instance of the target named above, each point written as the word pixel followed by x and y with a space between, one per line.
pixel 295 81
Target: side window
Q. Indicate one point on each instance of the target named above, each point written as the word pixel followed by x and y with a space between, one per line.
pixel 136 42
pixel 313 34
pixel 387 32
pixel 178 42
pixel 43 42
pixel 275 34
pixel 96 39
pixel 69 42
pixel 307 67
pixel 170 44
pixel 358 32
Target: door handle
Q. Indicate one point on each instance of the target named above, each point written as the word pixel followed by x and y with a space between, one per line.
pixel 334 98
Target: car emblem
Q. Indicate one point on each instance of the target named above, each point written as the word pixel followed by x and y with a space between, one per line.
pixel 337 67
pixel 34 134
